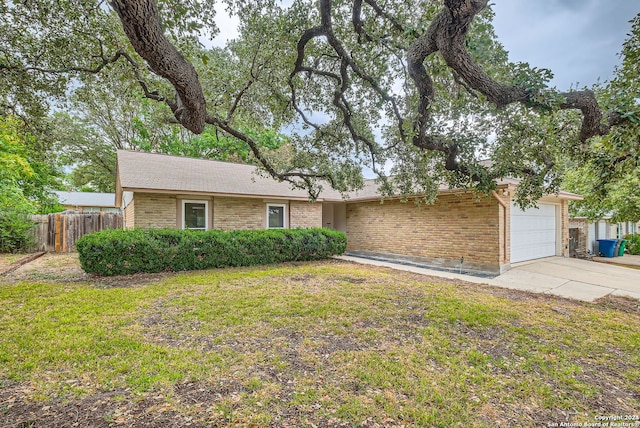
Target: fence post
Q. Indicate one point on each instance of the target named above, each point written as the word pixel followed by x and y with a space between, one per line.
pixel 57 232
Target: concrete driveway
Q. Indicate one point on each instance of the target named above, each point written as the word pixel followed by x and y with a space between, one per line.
pixel 572 278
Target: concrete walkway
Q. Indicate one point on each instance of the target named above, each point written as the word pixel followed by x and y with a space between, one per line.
pixel 566 277
pixel 627 260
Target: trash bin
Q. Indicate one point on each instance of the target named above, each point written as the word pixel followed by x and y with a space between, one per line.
pixel 607 246
pixel 623 244
pixel 617 248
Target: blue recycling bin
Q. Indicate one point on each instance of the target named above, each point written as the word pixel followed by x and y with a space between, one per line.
pixel 607 246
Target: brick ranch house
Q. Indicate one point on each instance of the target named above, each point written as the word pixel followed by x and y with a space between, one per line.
pixel 490 233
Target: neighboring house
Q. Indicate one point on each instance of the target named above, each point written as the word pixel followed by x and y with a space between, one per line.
pixel 487 233
pixel 585 234
pixel 88 201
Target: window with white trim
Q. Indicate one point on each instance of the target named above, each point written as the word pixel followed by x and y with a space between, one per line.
pixel 276 216
pixel 195 215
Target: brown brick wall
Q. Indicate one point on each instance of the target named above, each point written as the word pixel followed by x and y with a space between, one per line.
pixel 455 226
pixel 129 216
pixel 159 211
pixel 241 213
pixel 238 213
pixel 155 211
pixel 305 214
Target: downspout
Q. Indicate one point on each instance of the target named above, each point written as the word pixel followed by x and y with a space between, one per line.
pixel 504 222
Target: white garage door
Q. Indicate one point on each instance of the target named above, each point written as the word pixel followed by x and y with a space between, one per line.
pixel 533 232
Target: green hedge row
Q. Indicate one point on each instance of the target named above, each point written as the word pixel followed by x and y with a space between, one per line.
pixel 121 252
pixel 633 244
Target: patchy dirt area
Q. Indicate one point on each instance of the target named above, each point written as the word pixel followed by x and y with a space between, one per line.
pixel 50 267
pixel 7 260
pixel 124 410
pixel 11 262
pixel 104 409
pixel 65 267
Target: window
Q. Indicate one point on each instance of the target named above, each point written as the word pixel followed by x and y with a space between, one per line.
pixel 195 215
pixel 276 216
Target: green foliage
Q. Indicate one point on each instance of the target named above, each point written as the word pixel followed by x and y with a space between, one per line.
pixel 70 37
pixel 15 168
pixel 119 252
pixel 23 185
pixel 53 206
pixel 102 123
pixel 107 116
pixel 608 174
pixel 15 225
pixel 535 81
pixel 331 131
pixel 633 243
pixel 213 145
pixel 608 190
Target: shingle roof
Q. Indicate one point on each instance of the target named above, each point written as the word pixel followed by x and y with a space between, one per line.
pixel 148 171
pixel 86 199
pixel 141 171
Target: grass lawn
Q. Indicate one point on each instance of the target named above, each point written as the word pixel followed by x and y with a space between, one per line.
pixel 313 344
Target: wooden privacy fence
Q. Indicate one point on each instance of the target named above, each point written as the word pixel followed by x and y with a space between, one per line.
pixel 59 232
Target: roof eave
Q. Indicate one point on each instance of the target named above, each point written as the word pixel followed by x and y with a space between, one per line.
pixel 219 194
pixel 560 195
pixel 570 196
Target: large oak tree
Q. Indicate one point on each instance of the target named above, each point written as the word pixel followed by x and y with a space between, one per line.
pixel 418 90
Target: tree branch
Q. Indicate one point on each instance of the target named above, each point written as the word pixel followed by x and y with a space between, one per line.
pixel 141 22
pixel 104 61
pixel 449 32
pixel 289 177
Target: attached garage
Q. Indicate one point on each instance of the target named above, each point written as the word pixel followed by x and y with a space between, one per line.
pixel 534 234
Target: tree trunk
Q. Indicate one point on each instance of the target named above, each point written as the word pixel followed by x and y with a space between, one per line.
pixel 141 23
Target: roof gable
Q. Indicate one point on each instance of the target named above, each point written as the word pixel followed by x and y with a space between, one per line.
pixel 159 172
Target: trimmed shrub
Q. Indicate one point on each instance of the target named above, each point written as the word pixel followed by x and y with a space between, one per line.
pixel 633 246
pixel 122 252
